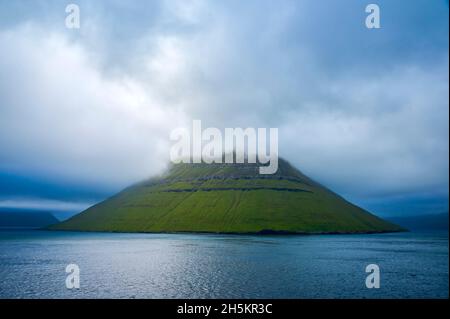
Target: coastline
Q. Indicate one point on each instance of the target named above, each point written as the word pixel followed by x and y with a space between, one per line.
pixel 265 232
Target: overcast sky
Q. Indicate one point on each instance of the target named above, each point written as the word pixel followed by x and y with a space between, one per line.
pixel 85 112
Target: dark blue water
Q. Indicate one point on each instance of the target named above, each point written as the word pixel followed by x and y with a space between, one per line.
pixel 32 265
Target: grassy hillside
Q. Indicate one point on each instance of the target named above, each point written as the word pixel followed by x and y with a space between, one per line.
pixel 227 198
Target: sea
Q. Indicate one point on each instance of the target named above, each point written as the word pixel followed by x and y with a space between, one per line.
pixel 57 264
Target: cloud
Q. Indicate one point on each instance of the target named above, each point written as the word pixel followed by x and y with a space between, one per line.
pixel 44 204
pixel 365 112
pixel 387 133
pixel 61 116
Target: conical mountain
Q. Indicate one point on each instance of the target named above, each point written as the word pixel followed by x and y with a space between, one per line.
pixel 227 198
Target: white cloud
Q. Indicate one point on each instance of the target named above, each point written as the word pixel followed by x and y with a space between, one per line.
pixel 44 204
pixel 376 135
pixel 61 116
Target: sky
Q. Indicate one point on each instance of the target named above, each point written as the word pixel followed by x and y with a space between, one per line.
pixel 86 112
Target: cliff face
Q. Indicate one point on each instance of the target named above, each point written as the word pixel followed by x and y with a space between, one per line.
pixel 227 198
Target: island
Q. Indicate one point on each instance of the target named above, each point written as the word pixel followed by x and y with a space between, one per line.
pixel 228 198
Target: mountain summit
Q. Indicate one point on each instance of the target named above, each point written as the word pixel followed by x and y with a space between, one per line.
pixel 227 198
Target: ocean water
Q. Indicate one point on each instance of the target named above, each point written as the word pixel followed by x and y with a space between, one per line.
pixel 412 265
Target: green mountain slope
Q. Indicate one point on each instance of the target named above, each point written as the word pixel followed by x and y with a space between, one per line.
pixel 227 198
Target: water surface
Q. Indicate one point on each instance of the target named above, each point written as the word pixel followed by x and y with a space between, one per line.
pixel 32 265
